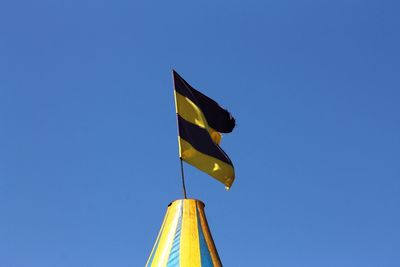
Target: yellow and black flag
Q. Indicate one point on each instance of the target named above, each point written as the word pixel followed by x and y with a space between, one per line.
pixel 200 122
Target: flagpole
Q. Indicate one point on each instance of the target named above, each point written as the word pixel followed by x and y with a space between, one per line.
pixel 177 126
pixel 183 179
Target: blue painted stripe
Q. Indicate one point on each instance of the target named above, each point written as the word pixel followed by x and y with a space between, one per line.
pixel 156 245
pixel 206 260
pixel 173 259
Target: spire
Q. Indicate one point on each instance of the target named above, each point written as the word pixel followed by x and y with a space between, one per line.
pixel 184 239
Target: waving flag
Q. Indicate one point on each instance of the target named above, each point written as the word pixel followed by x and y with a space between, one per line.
pixel 201 121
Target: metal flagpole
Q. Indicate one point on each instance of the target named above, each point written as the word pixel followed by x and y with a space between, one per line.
pixel 183 179
pixel 177 124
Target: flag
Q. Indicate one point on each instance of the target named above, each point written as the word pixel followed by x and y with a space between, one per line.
pixel 200 124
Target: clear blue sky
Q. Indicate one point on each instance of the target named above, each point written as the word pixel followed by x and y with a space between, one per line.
pixel 88 142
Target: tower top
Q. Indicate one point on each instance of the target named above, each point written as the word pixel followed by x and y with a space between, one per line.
pixel 185 238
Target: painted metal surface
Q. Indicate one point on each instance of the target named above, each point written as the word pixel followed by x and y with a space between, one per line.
pixel 184 239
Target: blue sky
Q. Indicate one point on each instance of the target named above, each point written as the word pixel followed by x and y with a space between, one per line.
pixel 88 146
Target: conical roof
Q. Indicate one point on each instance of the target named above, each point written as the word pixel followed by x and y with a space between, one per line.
pixel 184 239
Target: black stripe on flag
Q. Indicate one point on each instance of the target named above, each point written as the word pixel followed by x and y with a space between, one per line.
pixel 217 117
pixel 200 139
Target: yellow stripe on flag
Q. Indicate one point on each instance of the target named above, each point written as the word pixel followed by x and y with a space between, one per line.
pixel 189 111
pixel 213 166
